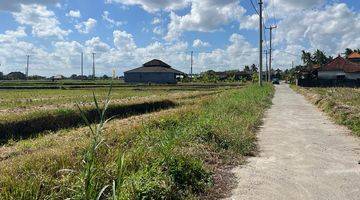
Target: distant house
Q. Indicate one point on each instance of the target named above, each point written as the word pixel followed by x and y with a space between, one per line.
pixel 340 68
pixel 154 71
pixel 354 57
pixel 57 77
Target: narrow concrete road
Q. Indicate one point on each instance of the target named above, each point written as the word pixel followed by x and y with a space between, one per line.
pixel 303 155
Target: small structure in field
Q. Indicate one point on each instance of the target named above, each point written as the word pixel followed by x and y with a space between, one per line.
pixel 354 57
pixel 154 71
pixel 340 68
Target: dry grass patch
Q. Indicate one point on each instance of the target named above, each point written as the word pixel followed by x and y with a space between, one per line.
pixel 341 104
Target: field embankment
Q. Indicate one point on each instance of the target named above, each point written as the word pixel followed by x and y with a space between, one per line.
pixel 172 154
pixel 341 104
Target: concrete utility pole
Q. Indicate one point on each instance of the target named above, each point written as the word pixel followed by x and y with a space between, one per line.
pixel 27 66
pixel 191 64
pixel 270 61
pixel 93 56
pixel 260 42
pixel 266 64
pixel 82 64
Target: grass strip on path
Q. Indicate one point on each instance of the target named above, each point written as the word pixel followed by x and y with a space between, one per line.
pixel 171 157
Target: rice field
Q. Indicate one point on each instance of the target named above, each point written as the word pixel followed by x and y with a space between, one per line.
pixel 163 142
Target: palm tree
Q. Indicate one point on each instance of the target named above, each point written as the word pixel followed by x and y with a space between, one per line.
pixel 307 58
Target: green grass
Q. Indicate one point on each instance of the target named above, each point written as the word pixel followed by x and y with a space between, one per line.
pixel 171 157
pixel 342 104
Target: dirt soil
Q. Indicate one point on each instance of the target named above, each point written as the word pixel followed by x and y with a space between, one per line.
pixel 303 155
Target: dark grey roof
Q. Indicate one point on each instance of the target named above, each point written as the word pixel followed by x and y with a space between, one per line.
pixel 155 66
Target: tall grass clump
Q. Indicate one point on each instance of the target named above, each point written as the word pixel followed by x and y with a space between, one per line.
pixel 173 156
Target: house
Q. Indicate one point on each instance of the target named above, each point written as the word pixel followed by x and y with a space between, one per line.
pixel 354 57
pixel 340 68
pixel 57 77
pixel 154 71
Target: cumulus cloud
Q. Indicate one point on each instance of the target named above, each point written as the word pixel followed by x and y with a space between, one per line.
pixel 11 36
pixel 154 5
pixel 250 22
pixel 86 26
pixel 199 43
pixel 156 21
pixel 332 29
pixel 96 45
pixel 15 5
pixel 74 14
pixel 205 16
pixel 283 7
pixel 123 40
pixel 106 17
pixel 43 21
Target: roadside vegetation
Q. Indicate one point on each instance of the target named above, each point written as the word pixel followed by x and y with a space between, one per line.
pixel 342 104
pixel 172 155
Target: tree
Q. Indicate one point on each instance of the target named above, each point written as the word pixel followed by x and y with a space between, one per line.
pixel 246 68
pixel 254 69
pixel 73 76
pixel 348 52
pixel 307 58
pixel 1 76
pixel 320 58
pixel 16 76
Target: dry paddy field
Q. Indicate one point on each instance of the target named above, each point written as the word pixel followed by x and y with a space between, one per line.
pixel 341 104
pixel 163 142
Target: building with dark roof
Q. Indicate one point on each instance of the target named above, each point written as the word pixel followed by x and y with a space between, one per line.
pixel 340 68
pixel 154 71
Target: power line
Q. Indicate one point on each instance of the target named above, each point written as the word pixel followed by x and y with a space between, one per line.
pixel 253 5
pixel 292 54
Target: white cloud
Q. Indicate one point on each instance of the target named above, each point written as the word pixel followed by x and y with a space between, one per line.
pixel 284 7
pixel 11 36
pixel 86 26
pixel 250 22
pixel 158 30
pixel 123 40
pixel 156 21
pixel 74 14
pixel 199 43
pixel 154 5
pixel 106 17
pixel 331 29
pixel 205 16
pixel 96 45
pixel 43 21
pixel 15 5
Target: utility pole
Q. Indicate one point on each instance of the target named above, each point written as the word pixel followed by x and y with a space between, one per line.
pixel 266 64
pixel 270 61
pixel 82 65
pixel 27 66
pixel 93 57
pixel 191 64
pixel 260 42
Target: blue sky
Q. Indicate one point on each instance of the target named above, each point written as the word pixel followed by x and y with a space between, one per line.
pixel 125 33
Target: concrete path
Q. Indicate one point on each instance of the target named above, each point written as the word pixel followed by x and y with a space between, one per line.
pixel 303 155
